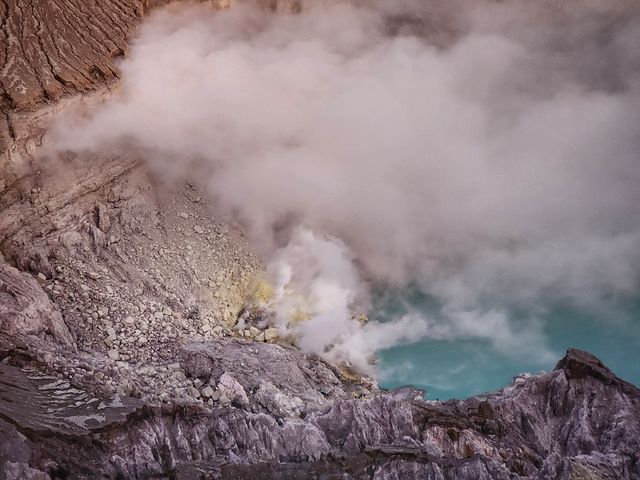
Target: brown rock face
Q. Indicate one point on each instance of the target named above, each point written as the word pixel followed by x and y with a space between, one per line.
pixel 49 48
pixel 52 54
pixel 580 364
pixel 53 47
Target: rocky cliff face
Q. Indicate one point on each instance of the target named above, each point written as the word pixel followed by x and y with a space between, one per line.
pixel 52 50
pixel 271 412
pixel 119 293
pixel 56 55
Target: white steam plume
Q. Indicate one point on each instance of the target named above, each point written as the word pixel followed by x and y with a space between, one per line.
pixel 486 151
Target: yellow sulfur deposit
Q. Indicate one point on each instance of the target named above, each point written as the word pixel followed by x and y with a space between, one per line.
pixel 298 316
pixel 261 289
pixel 362 318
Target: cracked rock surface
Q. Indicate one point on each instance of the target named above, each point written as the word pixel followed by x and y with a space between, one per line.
pixel 555 425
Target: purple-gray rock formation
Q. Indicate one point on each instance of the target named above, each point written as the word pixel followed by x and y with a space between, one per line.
pixel 295 417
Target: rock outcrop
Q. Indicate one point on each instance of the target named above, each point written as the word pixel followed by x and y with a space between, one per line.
pixel 52 50
pixel 25 309
pixel 554 425
pixel 58 55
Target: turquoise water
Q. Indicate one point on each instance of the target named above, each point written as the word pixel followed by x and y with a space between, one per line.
pixel 462 366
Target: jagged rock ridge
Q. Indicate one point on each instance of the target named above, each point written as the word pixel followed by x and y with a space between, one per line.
pixel 554 425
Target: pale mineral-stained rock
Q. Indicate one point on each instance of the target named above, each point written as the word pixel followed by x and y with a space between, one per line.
pixel 111 333
pixel 207 392
pixel 270 334
pixel 230 388
pixel 278 403
pixel 25 309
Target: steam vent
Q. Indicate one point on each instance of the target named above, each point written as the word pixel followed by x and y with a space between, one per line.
pixel 319 239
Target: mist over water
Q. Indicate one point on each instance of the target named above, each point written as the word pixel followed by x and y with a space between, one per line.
pixel 461 366
pixel 483 154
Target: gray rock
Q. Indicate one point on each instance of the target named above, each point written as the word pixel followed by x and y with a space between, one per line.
pixel 230 388
pixel 194 392
pixel 207 392
pixel 25 309
pixel 22 471
pixel 295 374
pixel 278 403
pixel 103 220
pixel 578 421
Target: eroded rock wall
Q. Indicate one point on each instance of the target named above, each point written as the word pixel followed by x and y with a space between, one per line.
pixel 550 426
pixel 132 263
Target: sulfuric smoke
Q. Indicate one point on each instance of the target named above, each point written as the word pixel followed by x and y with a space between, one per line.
pixel 483 152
